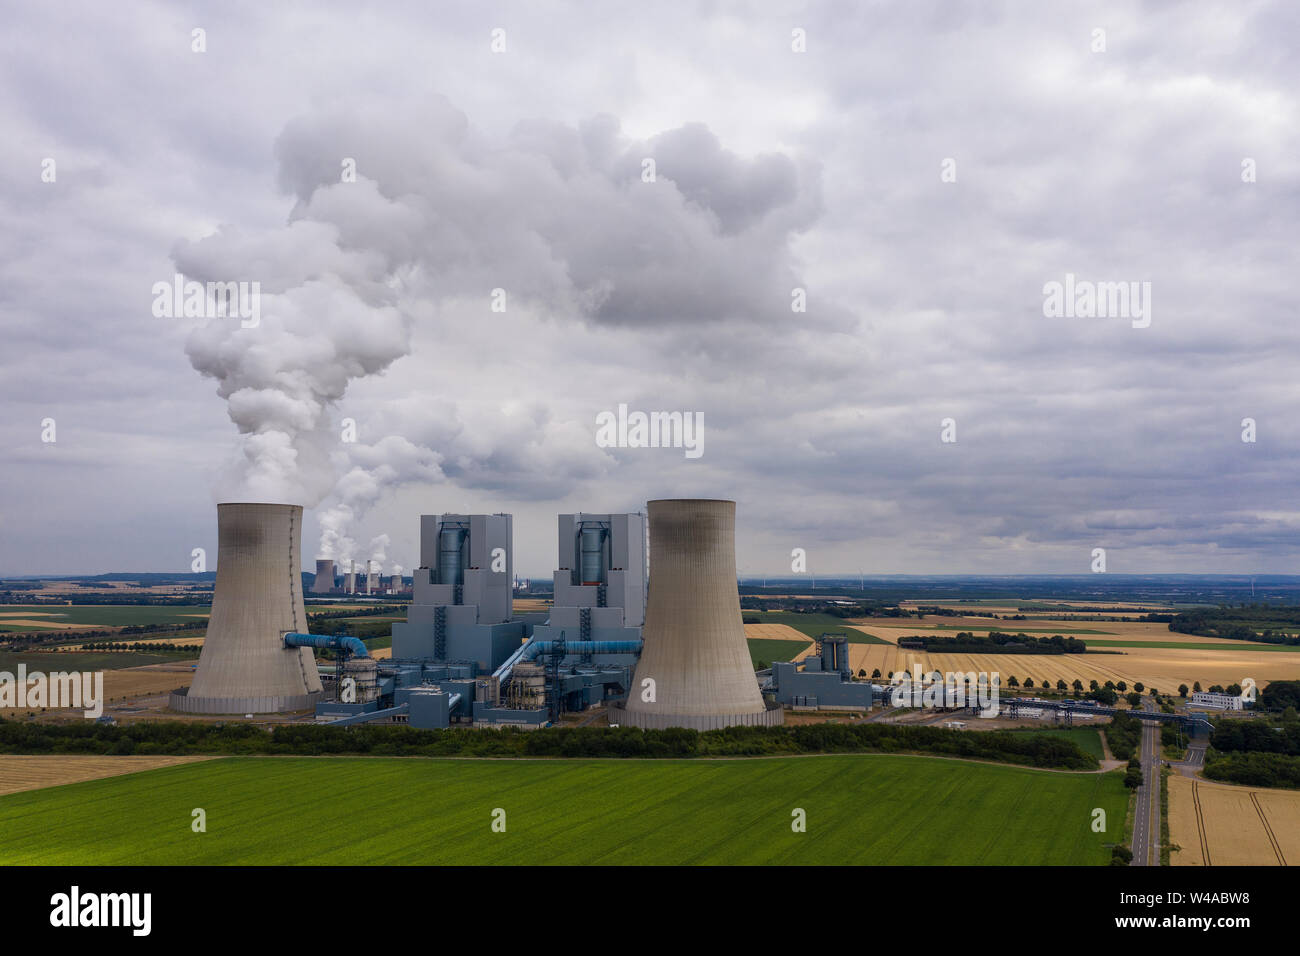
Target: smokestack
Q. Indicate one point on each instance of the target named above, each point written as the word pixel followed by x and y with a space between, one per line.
pixel 324 582
pixel 695 650
pixel 244 666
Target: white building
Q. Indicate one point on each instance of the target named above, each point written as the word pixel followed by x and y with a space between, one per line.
pixel 1217 701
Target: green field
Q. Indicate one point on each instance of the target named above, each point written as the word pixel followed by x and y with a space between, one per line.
pixel 870 810
pixel 90 660
pixel 815 625
pixel 1087 739
pixel 762 649
pixel 110 615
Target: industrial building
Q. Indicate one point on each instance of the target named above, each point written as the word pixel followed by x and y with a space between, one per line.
pixel 1217 701
pixel 826 681
pixel 463 655
pixel 661 650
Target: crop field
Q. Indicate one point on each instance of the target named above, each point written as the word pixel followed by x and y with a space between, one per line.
pixel 1088 739
pixel 884 809
pixel 1219 825
pixel 89 660
pixel 766 649
pixel 1141 652
pixel 814 625
pixel 97 615
pixel 18 773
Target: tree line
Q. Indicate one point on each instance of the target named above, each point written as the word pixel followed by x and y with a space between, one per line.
pixel 175 737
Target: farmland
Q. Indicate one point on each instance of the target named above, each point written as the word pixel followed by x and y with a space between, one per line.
pixel 763 650
pixel 1139 651
pixel 18 773
pixel 56 616
pixel 1232 826
pixel 860 809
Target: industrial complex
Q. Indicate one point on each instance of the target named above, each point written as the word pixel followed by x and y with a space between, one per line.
pixel 656 644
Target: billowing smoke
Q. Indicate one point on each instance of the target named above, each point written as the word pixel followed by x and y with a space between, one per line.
pixel 379 551
pixel 563 219
pixel 327 317
pixel 374 469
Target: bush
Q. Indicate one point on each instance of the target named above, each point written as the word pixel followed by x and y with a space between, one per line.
pixel 1122 735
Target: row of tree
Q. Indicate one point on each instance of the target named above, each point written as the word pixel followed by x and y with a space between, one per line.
pixel 174 737
pixel 995 642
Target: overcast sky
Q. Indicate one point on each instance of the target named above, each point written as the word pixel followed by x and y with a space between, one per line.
pixel 922 170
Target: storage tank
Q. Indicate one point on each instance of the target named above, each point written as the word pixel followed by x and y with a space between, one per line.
pixel 695 650
pixel 244 666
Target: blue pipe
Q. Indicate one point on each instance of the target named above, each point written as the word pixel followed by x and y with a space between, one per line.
pixel 346 642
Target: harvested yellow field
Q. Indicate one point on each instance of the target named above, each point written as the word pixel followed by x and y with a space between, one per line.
pixel 872 657
pixel 19 773
pixel 528 605
pixel 135 682
pixel 890 629
pixel 382 653
pixel 1219 825
pixel 775 632
pixel 1160 667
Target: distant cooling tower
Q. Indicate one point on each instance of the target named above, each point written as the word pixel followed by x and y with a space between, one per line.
pixel 695 650
pixel 324 582
pixel 244 666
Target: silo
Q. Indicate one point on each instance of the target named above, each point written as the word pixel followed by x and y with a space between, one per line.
pixel 695 650
pixel 244 666
pixel 324 582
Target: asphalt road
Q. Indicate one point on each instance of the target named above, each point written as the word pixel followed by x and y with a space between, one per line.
pixel 1146 825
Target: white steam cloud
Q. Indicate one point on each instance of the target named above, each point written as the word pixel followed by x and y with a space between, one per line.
pixel 561 217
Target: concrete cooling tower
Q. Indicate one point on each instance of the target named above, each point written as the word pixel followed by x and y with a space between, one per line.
pixel 695 650
pixel 244 666
pixel 324 582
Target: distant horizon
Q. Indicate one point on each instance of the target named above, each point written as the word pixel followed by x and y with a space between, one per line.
pixel 771 578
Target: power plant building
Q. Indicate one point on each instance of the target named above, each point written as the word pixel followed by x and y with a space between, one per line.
pixel 667 650
pixel 462 602
pixel 600 582
pixel 826 681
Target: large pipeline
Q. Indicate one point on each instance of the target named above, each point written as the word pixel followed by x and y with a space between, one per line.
pixel 345 642
pixel 532 649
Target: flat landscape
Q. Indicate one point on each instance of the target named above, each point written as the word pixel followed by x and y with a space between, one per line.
pixel 1219 825
pixel 876 809
pixel 21 772
pixel 1143 652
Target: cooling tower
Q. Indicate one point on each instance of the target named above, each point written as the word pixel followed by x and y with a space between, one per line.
pixel 244 666
pixel 695 650
pixel 324 582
